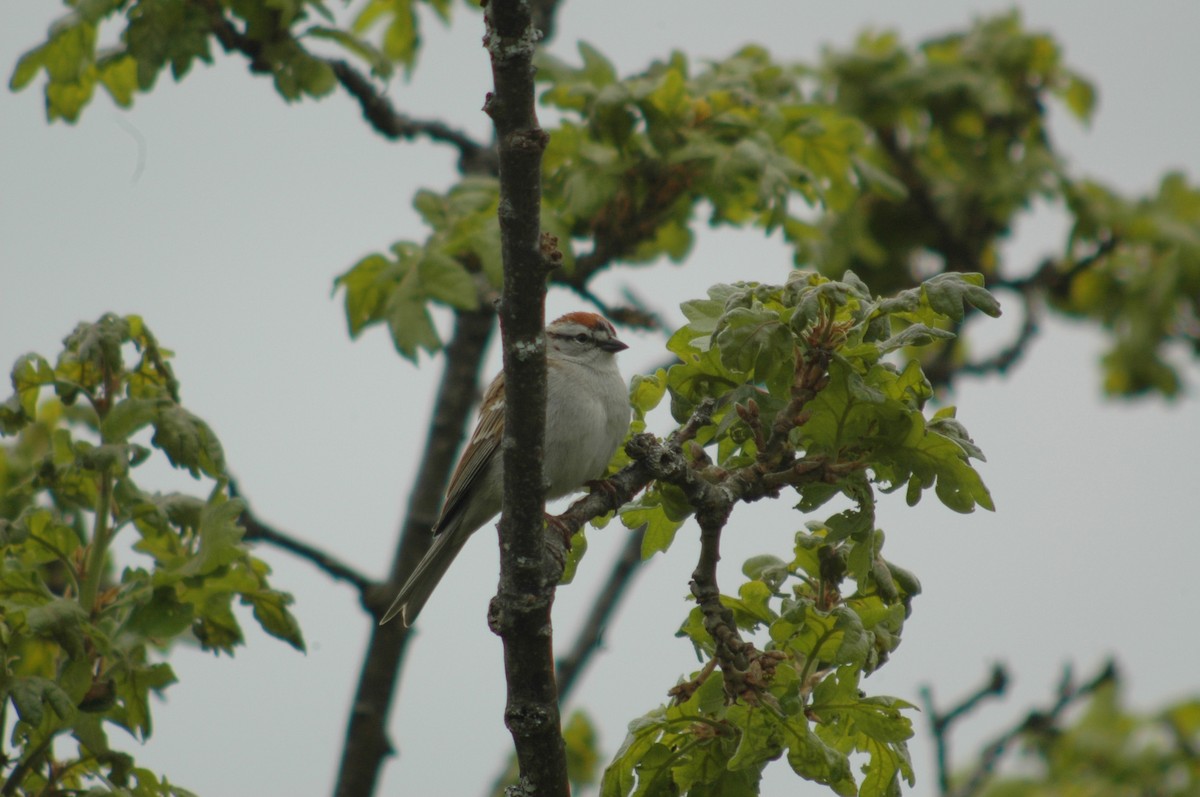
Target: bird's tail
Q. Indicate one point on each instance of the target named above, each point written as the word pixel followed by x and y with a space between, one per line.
pixel 425 578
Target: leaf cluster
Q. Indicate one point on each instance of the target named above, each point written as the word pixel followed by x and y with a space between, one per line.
pixel 815 390
pixel 632 157
pixel 1146 290
pixel 159 34
pixel 626 167
pixel 396 289
pixel 82 643
pixel 1109 750
pixel 745 343
pixel 887 159
pixel 811 709
pixel 959 123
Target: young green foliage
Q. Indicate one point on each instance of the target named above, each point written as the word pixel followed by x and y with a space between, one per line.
pixel 625 169
pixel 916 158
pixel 809 396
pixel 1108 750
pixel 157 34
pixel 1146 293
pixel 396 290
pixel 959 123
pixel 82 643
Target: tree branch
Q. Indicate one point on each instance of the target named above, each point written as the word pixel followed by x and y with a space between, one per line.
pixel 520 613
pixel 367 743
pixel 1051 278
pixel 258 531
pixel 956 250
pixel 377 109
pixel 941 724
pixel 1036 721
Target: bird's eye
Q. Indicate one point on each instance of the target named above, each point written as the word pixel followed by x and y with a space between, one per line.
pixel 582 337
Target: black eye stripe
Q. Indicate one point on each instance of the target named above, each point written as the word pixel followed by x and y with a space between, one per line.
pixel 578 336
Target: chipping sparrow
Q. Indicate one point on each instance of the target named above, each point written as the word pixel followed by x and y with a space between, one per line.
pixel 587 416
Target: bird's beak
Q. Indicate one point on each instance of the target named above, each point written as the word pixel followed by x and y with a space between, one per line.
pixel 613 345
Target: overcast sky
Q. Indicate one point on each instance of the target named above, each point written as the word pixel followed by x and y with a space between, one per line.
pixel 222 215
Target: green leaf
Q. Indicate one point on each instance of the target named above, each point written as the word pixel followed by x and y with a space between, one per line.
pixel 162 617
pixel 1080 97
pixel 444 279
pixel 871 725
pixel 380 65
pixel 55 616
pixel 270 610
pixel 411 326
pixel 575 554
pixel 880 180
pixel 948 293
pixel 660 529
pixel 119 76
pixel 366 285
pixel 755 342
pixel 812 759
pixel 220 537
pixel 27 68
pixel 187 441
pixel 583 750
pixel 647 391
pixel 766 568
pixel 694 630
pixel 126 417
pixel 133 696
pixel 597 69
pixel 914 335
pixel 29 373
pixel 400 36
pixel 28 695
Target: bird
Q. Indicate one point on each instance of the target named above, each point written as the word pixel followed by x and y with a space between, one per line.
pixel 587 417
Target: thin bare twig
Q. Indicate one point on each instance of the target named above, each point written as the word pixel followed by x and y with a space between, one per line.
pixel 377 109
pixel 1038 720
pixel 940 724
pixel 259 531
pixel 1050 278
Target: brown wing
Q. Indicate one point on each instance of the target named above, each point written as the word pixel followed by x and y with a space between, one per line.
pixel 483 445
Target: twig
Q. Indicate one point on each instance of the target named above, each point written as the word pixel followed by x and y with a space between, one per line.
pixel 731 649
pixel 1006 358
pixel 258 531
pixel 1035 721
pixel 377 109
pixel 589 636
pixel 651 318
pixel 956 251
pixel 1050 274
pixel 367 742
pixel 941 724
pixel 1049 278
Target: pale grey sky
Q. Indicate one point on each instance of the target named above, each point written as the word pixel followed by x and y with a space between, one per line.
pixel 222 215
